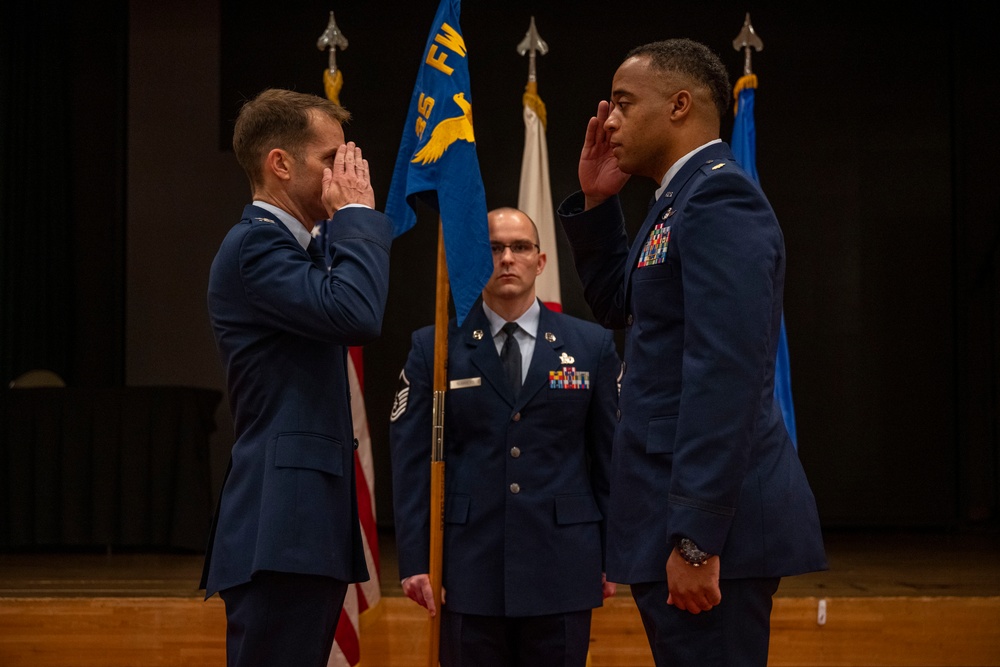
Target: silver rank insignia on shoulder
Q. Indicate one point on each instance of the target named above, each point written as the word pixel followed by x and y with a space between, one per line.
pixel 478 334
pixel 265 220
pixel 719 166
pixel 549 336
pixel 666 214
pixel 566 359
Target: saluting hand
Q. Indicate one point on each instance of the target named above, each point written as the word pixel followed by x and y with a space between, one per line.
pixel 600 177
pixel 348 182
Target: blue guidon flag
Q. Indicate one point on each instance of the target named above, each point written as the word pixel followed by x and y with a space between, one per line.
pixel 744 146
pixel 437 160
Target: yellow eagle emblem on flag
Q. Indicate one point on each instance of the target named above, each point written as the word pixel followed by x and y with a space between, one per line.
pixel 447 132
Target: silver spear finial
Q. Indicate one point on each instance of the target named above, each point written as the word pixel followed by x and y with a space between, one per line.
pixel 745 40
pixel 332 39
pixel 532 44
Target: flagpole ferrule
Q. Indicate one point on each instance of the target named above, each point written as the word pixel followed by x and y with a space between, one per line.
pixel 437 445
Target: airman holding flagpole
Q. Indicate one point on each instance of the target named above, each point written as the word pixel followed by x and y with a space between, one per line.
pixel 529 416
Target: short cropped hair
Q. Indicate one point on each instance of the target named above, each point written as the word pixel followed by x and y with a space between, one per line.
pixel 277 118
pixel 692 59
pixel 511 209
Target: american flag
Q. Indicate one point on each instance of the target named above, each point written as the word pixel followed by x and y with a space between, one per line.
pixel 364 596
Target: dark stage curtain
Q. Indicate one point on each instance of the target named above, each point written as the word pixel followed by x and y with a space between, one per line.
pixel 107 467
pixel 63 75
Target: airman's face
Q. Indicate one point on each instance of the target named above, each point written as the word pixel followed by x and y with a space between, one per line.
pixel 514 273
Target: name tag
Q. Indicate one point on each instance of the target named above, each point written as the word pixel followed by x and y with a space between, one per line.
pixel 463 384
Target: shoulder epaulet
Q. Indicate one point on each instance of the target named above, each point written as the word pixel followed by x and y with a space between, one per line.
pixel 714 165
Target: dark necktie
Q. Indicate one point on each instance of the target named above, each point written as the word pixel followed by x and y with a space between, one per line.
pixel 510 357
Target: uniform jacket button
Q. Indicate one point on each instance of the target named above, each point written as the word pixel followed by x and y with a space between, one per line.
pixel 515 488
pixel 515 452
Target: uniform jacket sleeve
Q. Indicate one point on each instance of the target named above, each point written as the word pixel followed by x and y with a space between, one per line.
pixel 601 429
pixel 343 306
pixel 600 249
pixel 730 252
pixel 410 444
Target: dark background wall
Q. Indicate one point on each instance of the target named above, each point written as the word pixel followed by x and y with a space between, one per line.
pixel 876 146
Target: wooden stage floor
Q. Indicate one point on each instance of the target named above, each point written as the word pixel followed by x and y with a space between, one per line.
pixel 918 599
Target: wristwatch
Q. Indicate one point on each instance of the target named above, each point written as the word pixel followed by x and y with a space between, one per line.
pixel 690 552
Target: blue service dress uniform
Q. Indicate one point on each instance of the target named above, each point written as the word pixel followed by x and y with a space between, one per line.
pixel 526 476
pixel 283 324
pixel 701 450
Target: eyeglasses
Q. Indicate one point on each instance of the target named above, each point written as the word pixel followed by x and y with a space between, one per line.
pixel 517 247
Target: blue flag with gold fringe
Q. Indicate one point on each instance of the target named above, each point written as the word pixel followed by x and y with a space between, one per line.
pixel 744 147
pixel 437 160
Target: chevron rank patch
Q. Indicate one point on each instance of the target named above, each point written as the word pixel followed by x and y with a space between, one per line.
pixel 402 397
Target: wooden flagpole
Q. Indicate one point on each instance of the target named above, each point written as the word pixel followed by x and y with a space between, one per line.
pixel 437 445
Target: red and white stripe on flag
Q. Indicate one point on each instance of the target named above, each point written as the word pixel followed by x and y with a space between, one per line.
pixel 364 596
pixel 535 197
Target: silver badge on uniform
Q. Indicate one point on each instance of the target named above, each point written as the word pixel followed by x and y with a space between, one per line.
pixel 566 359
pixel 478 334
pixel 549 336
pixel 467 382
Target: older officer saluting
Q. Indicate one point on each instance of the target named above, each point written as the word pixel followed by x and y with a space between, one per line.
pixel 286 540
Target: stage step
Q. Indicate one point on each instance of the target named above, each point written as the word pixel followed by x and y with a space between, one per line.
pixel 171 631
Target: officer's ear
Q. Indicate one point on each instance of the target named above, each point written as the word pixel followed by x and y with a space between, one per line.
pixel 681 104
pixel 278 162
pixel 541 263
